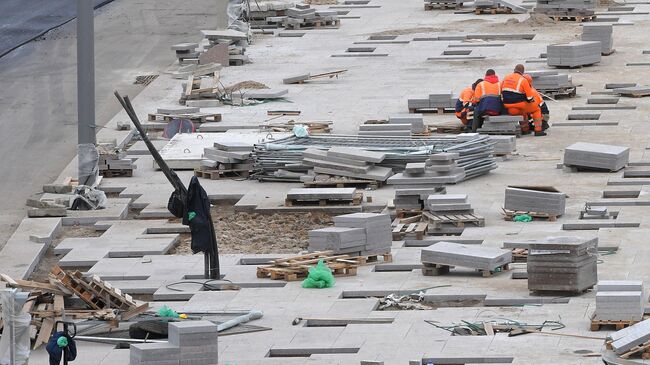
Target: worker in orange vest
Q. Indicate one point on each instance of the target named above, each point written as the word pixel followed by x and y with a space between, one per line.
pixel 464 109
pixel 539 100
pixel 487 98
pixel 519 99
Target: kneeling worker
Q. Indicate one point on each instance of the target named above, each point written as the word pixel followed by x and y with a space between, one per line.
pixel 464 104
pixel 519 99
pixel 487 98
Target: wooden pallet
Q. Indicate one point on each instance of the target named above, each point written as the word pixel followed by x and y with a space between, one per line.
pixel 443 6
pixel 403 230
pixel 373 259
pixel 493 11
pixel 356 200
pixel 432 110
pixel 221 174
pixel 318 24
pixel 457 220
pixel 429 269
pixel 344 183
pixel 203 118
pixel 407 213
pixel 643 350
pixel 297 267
pixel 510 214
pixel 519 255
pixel 116 173
pixel 596 324
pixel 573 18
pixel 449 129
pixel 517 133
pixel 565 92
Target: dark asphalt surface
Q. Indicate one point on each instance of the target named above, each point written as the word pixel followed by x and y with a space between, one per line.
pixel 23 20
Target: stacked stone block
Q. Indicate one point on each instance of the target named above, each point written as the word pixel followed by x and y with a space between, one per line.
pixel 600 33
pixel 596 156
pixel 619 300
pixel 356 234
pixel 470 256
pixel 189 343
pixel 501 124
pixel 535 199
pixel 573 54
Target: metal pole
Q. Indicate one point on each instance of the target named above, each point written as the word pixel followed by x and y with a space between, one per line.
pixel 85 84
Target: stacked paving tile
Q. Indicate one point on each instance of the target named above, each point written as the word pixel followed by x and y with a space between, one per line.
pixel 416 121
pixel 303 15
pixel 596 156
pixel 550 80
pixel 503 145
pixel 535 199
pixel 236 42
pixel 356 234
pixel 227 156
pixel 268 14
pixel 113 161
pixel 414 198
pixel 573 54
pixel 441 168
pixel 493 4
pixel 599 33
pixel 566 264
pixel 386 129
pixel 566 8
pixel 449 204
pixel 348 162
pixel 501 124
pixel 630 337
pixel 186 53
pixel 619 300
pixel 470 256
pixel 191 342
pixel 434 101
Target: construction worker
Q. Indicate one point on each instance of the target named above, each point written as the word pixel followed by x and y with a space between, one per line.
pixel 539 100
pixel 519 99
pixel 487 98
pixel 464 104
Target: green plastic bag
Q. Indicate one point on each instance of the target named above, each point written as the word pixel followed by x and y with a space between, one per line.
pixel 320 276
pixel 165 311
pixel 522 218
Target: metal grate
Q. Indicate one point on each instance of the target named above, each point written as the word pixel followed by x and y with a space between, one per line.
pixel 144 79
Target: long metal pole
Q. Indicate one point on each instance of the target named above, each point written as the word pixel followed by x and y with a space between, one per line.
pixel 85 83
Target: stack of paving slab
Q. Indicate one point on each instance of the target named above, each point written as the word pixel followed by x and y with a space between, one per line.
pixel 189 343
pixel 112 161
pixel 503 145
pixel 501 124
pixel 438 169
pixel 227 156
pixel 441 100
pixel 268 14
pixel 416 121
pixel 186 53
pixel 628 338
pixel 619 300
pixel 492 4
pixel 236 41
pixel 386 129
pixel 470 256
pixel 566 8
pixel 550 80
pixel 599 33
pixel 414 198
pixel 449 204
pixel 356 234
pixel 303 15
pixel 348 162
pixel 573 54
pixel 535 199
pixel 566 264
pixel 596 156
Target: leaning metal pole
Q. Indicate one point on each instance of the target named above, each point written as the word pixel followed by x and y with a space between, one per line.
pixel 85 88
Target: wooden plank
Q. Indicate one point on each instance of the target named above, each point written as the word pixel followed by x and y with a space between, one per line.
pixel 44 333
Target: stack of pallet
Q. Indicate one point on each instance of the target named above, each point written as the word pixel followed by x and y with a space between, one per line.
pixel 563 264
pixel 231 42
pixel 414 199
pixel 600 33
pixel 437 102
pixel 438 258
pixel 113 162
pixel 229 159
pixel 359 234
pixel 619 300
pixel 304 16
pixel 552 83
pixel 594 156
pixel 567 9
pixel 186 53
pixel 501 124
pixel 439 169
pixel 573 54
pixel 348 162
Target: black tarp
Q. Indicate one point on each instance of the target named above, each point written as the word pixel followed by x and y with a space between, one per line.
pixel 24 20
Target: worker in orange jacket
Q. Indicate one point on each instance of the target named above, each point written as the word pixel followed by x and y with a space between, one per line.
pixel 487 98
pixel 519 99
pixel 539 100
pixel 464 108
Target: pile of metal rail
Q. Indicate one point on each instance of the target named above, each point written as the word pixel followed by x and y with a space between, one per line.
pixel 282 159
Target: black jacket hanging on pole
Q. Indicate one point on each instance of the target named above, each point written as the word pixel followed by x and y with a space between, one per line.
pixel 197 216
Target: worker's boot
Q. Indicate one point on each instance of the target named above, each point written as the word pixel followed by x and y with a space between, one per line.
pixel 545 125
pixel 540 134
pixel 538 126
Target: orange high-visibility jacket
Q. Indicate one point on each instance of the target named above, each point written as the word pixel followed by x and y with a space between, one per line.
pixel 487 96
pixel 516 89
